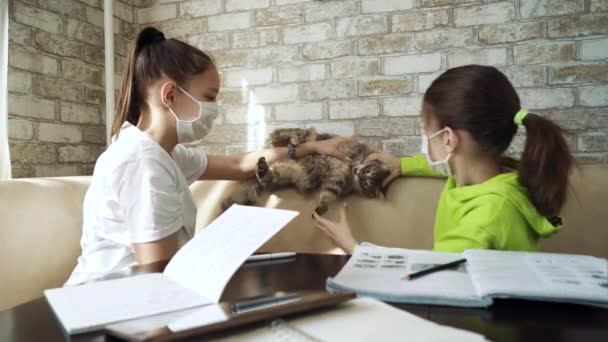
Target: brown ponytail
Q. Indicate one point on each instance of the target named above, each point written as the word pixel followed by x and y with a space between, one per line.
pixel 152 56
pixel 545 164
pixel 482 101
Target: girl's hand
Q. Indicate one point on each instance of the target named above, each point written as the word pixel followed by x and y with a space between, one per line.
pixel 329 147
pixel 393 163
pixel 339 232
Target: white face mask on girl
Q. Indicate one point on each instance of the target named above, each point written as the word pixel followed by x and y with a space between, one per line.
pixel 441 167
pixel 197 129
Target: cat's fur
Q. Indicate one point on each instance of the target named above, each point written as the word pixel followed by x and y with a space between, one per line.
pixel 334 177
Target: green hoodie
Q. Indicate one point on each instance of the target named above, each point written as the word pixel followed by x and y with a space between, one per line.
pixel 496 214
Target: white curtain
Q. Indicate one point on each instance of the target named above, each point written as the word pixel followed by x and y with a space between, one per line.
pixel 5 158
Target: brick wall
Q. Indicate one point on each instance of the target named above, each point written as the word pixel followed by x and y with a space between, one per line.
pixel 56 83
pixel 361 66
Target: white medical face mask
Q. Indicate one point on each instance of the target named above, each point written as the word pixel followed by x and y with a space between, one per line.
pixel 197 129
pixel 441 167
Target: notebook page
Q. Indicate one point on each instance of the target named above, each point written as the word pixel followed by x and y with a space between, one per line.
pixel 351 322
pixel 378 272
pixel 91 306
pixel 207 262
pixel 539 275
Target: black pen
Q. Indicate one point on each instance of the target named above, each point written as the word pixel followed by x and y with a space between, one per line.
pixel 434 269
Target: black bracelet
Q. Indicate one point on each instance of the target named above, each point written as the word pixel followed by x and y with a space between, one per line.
pixel 291 151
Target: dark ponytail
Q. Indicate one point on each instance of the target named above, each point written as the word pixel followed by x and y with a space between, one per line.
pixel 152 56
pixel 545 164
pixel 482 101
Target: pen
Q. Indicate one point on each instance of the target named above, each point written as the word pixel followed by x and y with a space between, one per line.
pixel 258 257
pixel 263 301
pixel 415 275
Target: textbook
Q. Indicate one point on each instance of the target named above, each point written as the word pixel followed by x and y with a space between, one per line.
pixel 378 272
pixel 196 275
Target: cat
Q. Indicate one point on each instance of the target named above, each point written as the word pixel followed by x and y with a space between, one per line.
pixel 334 177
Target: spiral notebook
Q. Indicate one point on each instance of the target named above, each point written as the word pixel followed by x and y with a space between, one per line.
pixel 378 271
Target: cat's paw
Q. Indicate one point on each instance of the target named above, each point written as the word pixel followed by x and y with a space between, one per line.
pixel 261 171
pixel 321 209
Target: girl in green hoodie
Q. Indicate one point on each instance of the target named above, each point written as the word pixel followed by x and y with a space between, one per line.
pixel 470 115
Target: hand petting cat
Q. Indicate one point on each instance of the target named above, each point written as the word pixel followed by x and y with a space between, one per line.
pixel 391 161
pixel 329 147
pixel 338 231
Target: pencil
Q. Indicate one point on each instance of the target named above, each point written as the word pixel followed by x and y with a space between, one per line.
pixel 433 269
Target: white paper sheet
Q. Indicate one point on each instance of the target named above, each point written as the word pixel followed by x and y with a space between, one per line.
pixel 92 306
pixel 563 277
pixel 208 261
pixel 378 271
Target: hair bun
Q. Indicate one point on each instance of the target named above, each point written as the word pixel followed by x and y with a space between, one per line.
pixel 148 36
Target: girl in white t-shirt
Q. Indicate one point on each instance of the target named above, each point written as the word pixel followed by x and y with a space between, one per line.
pixel 138 208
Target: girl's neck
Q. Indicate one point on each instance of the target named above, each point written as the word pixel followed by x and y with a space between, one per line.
pixel 160 129
pixel 475 170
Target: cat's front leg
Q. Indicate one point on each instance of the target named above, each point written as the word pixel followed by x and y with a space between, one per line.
pixel 262 172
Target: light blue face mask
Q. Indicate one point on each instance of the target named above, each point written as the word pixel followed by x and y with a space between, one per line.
pixel 197 129
pixel 441 167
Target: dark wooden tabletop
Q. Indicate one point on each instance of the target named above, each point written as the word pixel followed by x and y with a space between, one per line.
pixel 506 320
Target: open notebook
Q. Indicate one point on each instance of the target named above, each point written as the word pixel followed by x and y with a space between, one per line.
pixel 351 322
pixel 378 271
pixel 196 275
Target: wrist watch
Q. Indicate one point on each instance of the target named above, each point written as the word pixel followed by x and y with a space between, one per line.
pixel 291 150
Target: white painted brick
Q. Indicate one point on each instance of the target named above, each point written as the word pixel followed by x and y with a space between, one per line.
pixel 252 39
pixel 213 42
pixel 299 112
pixel 19 82
pixel 276 93
pixel 302 73
pixel 31 61
pixel 379 6
pixel 291 2
pixel 543 8
pixel 229 22
pixel 593 49
pixel 543 98
pixel 495 13
pixel 361 26
pixel 412 64
pixel 594 96
pixel 425 80
pixel 599 5
pixel 200 8
pixel 274 55
pixel 184 28
pixel 50 132
pixel 94 16
pixel 443 39
pixel 544 53
pixel 156 14
pixel 248 77
pixel 353 109
pixel 497 56
pixel 57 170
pixel 79 153
pixel 327 10
pixel 354 68
pixel 527 76
pixel 341 128
pixel 251 114
pixel 307 34
pixel 386 44
pixel 123 11
pixel 328 50
pixel 403 106
pixel 71 112
pixel 31 107
pixel 420 21
pixel 38 18
pixel 331 89
pixel 244 5
pixel 20 129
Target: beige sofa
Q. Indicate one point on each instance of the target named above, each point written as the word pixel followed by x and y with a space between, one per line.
pixel 40 224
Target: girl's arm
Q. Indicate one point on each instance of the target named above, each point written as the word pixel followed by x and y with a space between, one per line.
pixel 242 166
pixel 416 166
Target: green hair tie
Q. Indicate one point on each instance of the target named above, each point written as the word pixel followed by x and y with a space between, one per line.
pixel 520 116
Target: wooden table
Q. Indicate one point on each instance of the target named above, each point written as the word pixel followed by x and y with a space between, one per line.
pixel 506 320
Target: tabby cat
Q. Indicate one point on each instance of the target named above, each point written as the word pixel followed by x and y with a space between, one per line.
pixel 334 177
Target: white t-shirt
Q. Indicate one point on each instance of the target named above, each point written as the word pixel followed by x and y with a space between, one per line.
pixel 139 193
